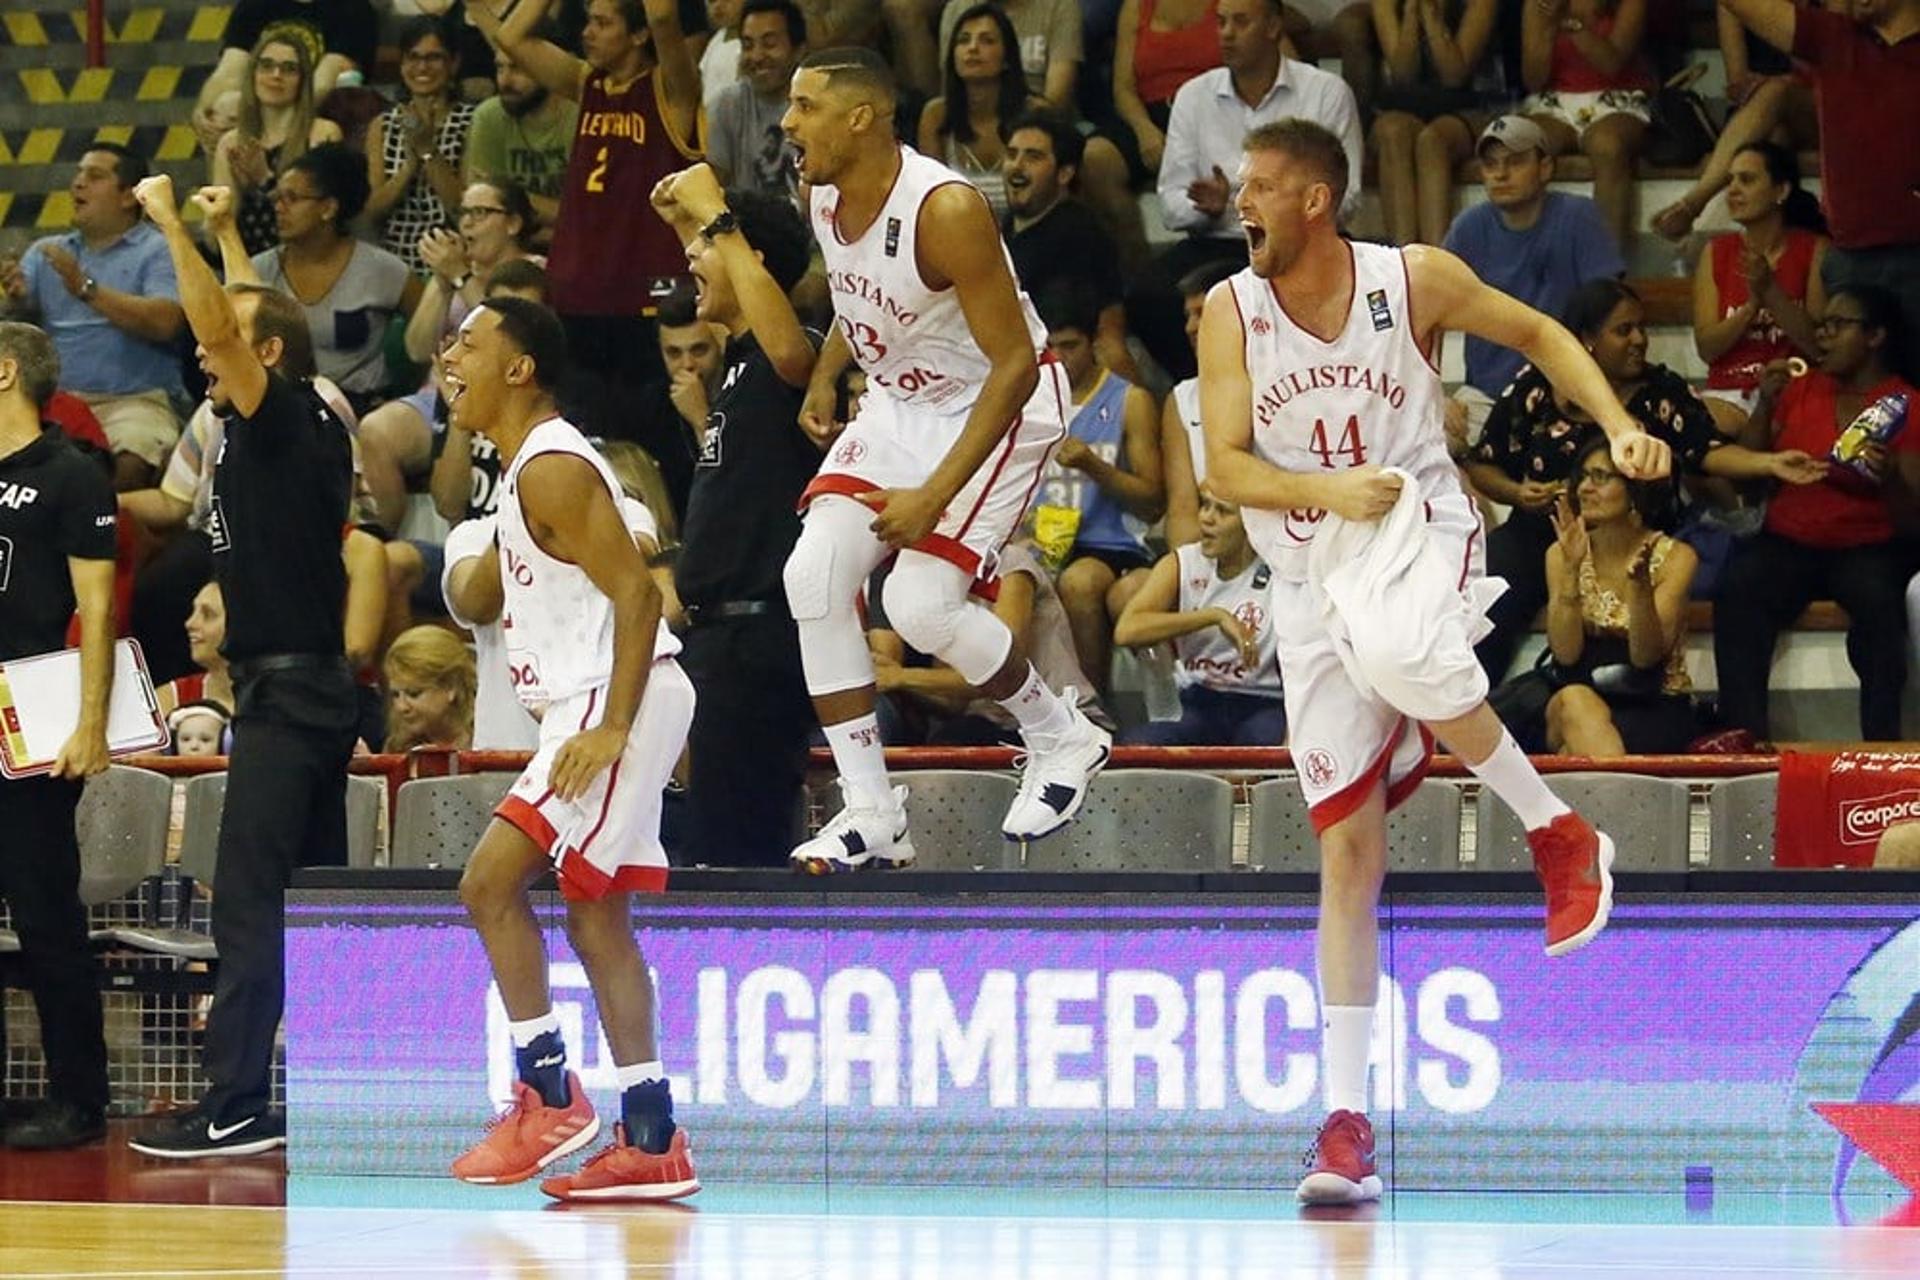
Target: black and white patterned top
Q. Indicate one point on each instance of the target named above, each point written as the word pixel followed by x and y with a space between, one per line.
pixel 419 209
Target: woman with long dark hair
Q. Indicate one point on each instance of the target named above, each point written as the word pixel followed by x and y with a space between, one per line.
pixel 277 124
pixel 983 92
pixel 414 150
pixel 1757 291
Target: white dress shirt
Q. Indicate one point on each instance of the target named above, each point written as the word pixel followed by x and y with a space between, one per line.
pixel 1209 122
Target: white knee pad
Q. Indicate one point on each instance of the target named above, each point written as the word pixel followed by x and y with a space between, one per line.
pixel 927 603
pixel 830 562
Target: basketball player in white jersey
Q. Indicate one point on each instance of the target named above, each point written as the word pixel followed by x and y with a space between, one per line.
pixel 939 463
pixel 588 656
pixel 1323 411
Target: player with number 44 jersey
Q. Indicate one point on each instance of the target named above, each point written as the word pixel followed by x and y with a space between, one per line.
pixel 1323 415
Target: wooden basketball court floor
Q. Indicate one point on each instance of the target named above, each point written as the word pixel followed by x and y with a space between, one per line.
pixel 416 1229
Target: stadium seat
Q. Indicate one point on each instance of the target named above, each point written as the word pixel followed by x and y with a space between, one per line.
pixel 437 821
pixel 122 828
pixel 955 815
pixel 1144 820
pixel 1423 834
pixel 364 798
pixel 199 845
pixel 1647 818
pixel 1740 817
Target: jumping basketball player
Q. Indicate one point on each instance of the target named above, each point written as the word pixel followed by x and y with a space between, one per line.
pixel 960 415
pixel 589 658
pixel 1323 412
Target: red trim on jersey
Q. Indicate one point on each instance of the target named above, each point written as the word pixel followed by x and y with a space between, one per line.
pixel 833 215
pixel 1466 556
pixel 1429 354
pixel 581 881
pixel 526 818
pixel 1345 802
pixel 1353 277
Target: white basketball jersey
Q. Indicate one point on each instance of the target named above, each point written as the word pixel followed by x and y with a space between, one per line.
pixel 1207 656
pixel 558 624
pixel 1369 396
pixel 1186 403
pixel 912 341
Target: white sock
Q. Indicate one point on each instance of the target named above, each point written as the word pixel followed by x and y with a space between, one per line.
pixel 525 1033
pixel 639 1073
pixel 1043 715
pixel 1346 1036
pixel 861 759
pixel 1513 778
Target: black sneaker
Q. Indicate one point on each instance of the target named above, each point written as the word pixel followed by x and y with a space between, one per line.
pixel 195 1136
pixel 54 1126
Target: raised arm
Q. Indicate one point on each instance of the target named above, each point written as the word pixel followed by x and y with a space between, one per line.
pixel 1771 20
pixel 216 209
pixel 679 74
pixel 572 514
pixel 229 357
pixel 1447 295
pixel 556 70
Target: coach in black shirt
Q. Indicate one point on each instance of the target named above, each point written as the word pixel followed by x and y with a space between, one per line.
pixel 56 550
pixel 280 490
pixel 748 746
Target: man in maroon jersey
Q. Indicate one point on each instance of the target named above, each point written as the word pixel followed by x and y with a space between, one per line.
pixel 639 95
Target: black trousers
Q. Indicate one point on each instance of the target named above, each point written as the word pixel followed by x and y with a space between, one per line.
pixel 1770 581
pixel 163 593
pixel 1156 307
pixel 748 745
pixel 285 808
pixel 40 879
pixel 1516 551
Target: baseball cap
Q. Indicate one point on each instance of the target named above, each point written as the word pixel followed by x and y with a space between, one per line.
pixel 1515 133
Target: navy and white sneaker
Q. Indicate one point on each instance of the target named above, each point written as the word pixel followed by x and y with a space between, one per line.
pixel 197 1136
pixel 1054 783
pixel 859 836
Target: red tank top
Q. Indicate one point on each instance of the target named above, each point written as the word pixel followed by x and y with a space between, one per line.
pixel 608 247
pixel 1738 368
pixel 1572 73
pixel 1165 60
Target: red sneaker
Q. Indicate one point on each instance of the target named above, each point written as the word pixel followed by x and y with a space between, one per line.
pixel 1340 1163
pixel 625 1172
pixel 1575 866
pixel 529 1136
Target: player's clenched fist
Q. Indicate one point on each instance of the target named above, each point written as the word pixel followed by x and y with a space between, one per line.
pixel 1640 456
pixel 155 195
pixel 1362 493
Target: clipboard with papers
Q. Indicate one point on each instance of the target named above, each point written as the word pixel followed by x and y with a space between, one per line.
pixel 40 706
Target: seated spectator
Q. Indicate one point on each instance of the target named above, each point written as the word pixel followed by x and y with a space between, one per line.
pixel 983 93
pixel 1525 456
pixel 1840 540
pixel 1211 599
pixel 915 690
pixel 672 411
pixel 349 290
pixel 1767 98
pixel 745 144
pixel 522 135
pixel 430 689
pixel 1344 34
pixel 1865 65
pixel 1102 487
pixel 1580 60
pixel 1053 237
pixel 1046 47
pixel 1212 114
pixel 1535 244
pixel 1158 46
pixel 206 633
pixel 720 60
pixel 105 293
pixel 1183 441
pixel 1617 616
pixel 199 729
pixel 1757 291
pixel 497 223
pixel 471 50
pixel 276 123
pixel 413 151
pixel 339 35
pixel 1444 79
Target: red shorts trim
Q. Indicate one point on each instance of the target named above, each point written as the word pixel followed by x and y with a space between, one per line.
pixel 1399 790
pixel 1343 803
pixel 939 545
pixel 528 820
pixel 581 881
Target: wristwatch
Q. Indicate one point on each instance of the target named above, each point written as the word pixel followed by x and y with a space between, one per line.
pixel 721 225
pixel 88 287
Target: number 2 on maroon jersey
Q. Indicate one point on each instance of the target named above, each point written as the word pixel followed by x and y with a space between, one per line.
pixel 1350 445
